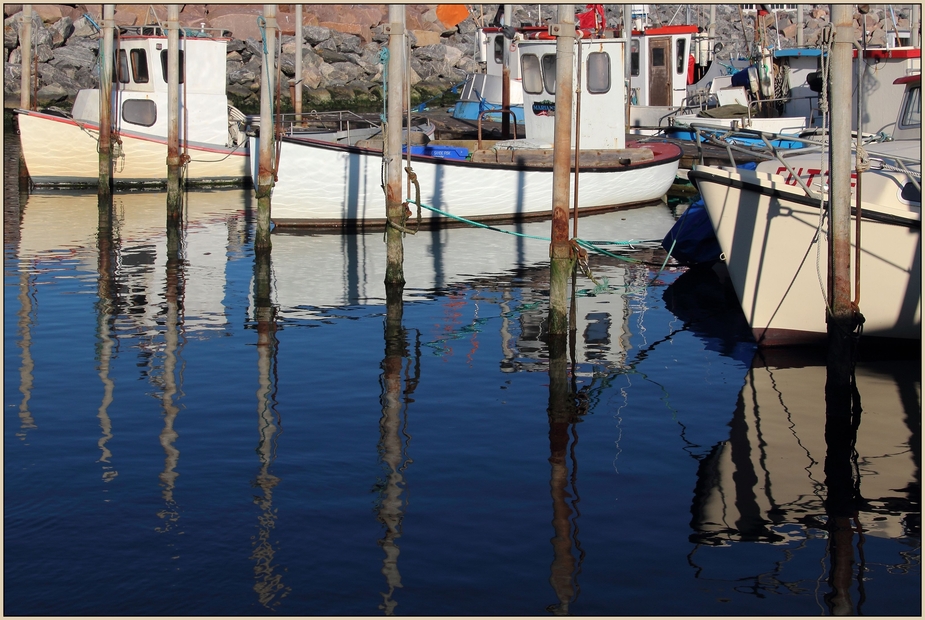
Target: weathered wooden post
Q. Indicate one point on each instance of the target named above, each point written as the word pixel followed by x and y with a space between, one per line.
pixel 506 79
pixel 297 99
pixel 560 248
pixel 395 252
pixel 173 113
pixel 265 172
pixel 25 81
pixel 25 47
pixel 627 59
pixel 840 313
pixel 105 146
pixel 914 25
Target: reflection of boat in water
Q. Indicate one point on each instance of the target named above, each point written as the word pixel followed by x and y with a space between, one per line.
pixel 318 275
pixel 767 484
pixel 63 226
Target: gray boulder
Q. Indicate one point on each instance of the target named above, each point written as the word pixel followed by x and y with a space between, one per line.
pixel 314 35
pixel 61 30
pixel 73 56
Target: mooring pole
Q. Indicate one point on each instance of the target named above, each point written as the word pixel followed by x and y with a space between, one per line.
pixel 914 25
pixel 799 25
pixel 105 146
pixel 627 59
pixel 560 249
pixel 841 314
pixel 395 251
pixel 297 99
pixel 506 79
pixel 173 113
pixel 25 47
pixel 265 166
pixel 25 82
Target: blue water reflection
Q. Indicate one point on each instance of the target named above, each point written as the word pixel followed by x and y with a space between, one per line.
pixel 191 429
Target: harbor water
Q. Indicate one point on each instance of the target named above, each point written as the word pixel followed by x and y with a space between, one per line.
pixel 194 430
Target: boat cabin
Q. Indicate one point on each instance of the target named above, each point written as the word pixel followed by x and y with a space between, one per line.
pixel 603 109
pixel 881 68
pixel 661 65
pixel 140 86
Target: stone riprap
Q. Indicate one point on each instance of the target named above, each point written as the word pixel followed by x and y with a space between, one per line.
pixel 342 42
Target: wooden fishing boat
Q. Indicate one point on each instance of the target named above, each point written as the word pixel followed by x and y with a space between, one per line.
pixel 331 184
pixel 62 150
pixel 771 233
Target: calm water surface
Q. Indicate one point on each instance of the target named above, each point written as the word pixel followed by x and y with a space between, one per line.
pixel 202 433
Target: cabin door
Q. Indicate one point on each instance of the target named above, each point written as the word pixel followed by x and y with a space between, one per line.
pixel 659 71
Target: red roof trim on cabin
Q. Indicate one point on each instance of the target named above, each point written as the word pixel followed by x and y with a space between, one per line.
pixel 893 52
pixel 668 30
pixel 908 79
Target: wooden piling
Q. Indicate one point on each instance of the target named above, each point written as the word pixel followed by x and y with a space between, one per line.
pixel 25 83
pixel 265 169
pixel 173 112
pixel 25 46
pixel 841 314
pixel 297 96
pixel 395 252
pixel 506 79
pixel 560 249
pixel 105 146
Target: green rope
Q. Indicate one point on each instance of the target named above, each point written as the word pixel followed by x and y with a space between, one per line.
pixel 588 245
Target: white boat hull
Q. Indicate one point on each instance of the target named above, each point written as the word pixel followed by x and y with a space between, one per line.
pixel 767 230
pixel 61 151
pixel 321 184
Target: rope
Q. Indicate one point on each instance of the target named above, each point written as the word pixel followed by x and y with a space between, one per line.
pixel 590 245
pixel 828 36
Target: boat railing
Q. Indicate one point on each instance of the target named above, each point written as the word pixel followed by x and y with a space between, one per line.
pixel 483 112
pixel 707 134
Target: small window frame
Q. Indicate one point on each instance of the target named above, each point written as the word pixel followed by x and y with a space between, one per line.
pixel 182 63
pixel 681 56
pixel 139 58
pixel 634 58
pixel 141 112
pixel 120 71
pixel 597 72
pixel 549 73
pixel 531 74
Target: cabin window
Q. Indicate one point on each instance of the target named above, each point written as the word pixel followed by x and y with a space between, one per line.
pixel 658 57
pixel 164 65
pixel 634 58
pixel 598 72
pixel 139 112
pixel 139 66
pixel 681 56
pixel 549 73
pixel 531 74
pixel 120 71
pixel 912 110
pixel 499 49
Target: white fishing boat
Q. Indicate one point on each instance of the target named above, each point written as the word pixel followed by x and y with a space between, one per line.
pixel 329 184
pixel 62 150
pixel 771 228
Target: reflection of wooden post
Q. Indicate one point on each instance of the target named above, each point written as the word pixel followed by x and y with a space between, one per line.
pixel 105 146
pixel 841 502
pixel 389 510
pixel 265 169
pixel 267 583
pixel 173 112
pixel 395 252
pixel 561 414
pixel 841 314
pixel 560 249
pixel 106 291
